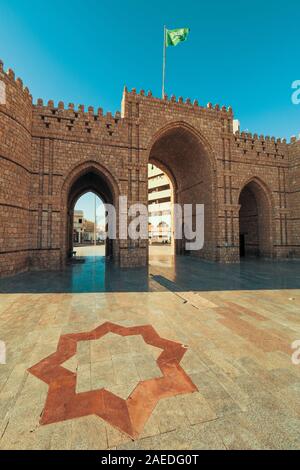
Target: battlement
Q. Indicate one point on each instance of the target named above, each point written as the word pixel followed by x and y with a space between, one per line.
pixel 294 148
pixel 9 76
pixel 174 102
pixel 74 119
pixel 256 137
pixel 71 108
pixel 295 139
pixel 254 145
pixel 61 118
pixel 16 101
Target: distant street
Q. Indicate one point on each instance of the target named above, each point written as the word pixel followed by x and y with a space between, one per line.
pixel 98 250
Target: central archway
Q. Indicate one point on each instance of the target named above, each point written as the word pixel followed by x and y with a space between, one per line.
pixel 187 159
pixel 89 177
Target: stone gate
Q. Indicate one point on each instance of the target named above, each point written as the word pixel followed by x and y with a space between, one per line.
pixel 51 154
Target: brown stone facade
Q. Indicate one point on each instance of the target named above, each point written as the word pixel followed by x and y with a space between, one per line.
pixel 50 155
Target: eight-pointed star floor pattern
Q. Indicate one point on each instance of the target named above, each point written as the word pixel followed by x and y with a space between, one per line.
pixel 128 415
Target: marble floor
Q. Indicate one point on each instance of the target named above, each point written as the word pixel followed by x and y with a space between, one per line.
pixel 186 355
pixel 90 272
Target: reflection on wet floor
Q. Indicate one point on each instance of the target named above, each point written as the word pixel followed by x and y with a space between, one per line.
pixel 165 272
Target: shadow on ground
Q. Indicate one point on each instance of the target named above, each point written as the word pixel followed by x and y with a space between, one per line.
pixel 184 273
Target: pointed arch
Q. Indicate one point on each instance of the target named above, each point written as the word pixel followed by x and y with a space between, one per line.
pixel 260 182
pixel 182 125
pixel 90 166
pixel 186 156
pixel 87 176
pixel 256 218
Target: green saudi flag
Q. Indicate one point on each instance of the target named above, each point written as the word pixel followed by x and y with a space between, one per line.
pixel 175 36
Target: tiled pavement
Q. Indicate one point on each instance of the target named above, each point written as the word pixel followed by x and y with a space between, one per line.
pixel 238 356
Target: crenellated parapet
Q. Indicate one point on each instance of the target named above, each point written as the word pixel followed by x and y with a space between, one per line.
pixel 78 121
pixel 294 154
pixel 295 140
pixel 16 100
pixel 254 146
pixel 15 171
pixel 173 103
pixel 15 119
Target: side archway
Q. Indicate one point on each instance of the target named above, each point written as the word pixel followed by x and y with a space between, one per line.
pixel 89 176
pixel 255 220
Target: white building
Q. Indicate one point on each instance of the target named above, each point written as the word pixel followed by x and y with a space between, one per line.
pixel 78 226
pixel 159 206
pixel 83 229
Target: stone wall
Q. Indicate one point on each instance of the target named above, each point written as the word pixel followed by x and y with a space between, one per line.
pixel 293 197
pixel 15 173
pixel 51 154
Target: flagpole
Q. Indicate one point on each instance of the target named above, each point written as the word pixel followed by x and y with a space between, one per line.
pixel 164 64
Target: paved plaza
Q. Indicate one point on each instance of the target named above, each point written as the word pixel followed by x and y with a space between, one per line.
pixel 185 354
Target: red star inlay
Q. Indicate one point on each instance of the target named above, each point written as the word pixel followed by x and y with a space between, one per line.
pixel 128 415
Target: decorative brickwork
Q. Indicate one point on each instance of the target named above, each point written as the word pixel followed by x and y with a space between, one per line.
pixel 50 155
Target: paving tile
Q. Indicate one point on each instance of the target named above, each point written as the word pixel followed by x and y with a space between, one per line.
pixel 84 352
pixel 146 366
pixel 236 435
pixel 88 433
pixel 196 408
pixel 99 351
pixel 102 375
pixel 83 383
pixel 123 390
pixel 169 415
pixel 124 368
pixel 238 355
pixel 200 437
pixel 61 438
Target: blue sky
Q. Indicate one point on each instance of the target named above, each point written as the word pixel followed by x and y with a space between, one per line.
pixel 86 203
pixel 243 54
